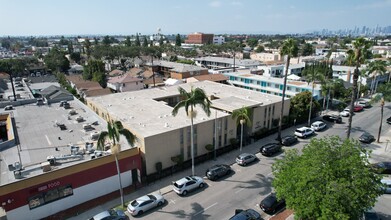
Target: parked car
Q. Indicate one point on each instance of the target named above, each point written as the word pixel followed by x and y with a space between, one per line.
pixel 288 140
pixel 387 185
pixel 363 103
pixel 345 113
pixel 358 108
pixel 245 158
pixel 370 215
pixel 187 184
pixel 318 125
pixel 382 167
pixel 218 171
pixel 249 214
pixel 271 204
pixel 145 203
pixel 389 120
pixel 112 214
pixel 8 107
pixel 304 132
pixel 270 149
pixel 332 118
pixel 366 138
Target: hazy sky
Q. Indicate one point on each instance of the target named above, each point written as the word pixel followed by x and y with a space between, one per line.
pixel 126 17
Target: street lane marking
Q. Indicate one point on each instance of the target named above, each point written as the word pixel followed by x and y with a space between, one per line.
pixel 172 201
pixel 239 190
pixel 47 138
pixel 269 174
pixel 205 209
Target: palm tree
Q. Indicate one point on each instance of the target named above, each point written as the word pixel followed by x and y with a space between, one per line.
pixel 361 52
pixel 385 89
pixel 242 116
pixel 113 133
pixel 191 99
pixel 312 74
pixel 289 49
pixel 376 67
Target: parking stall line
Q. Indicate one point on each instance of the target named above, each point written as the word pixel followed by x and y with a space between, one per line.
pixel 205 209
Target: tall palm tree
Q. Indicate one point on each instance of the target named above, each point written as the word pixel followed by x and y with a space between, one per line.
pixel 242 117
pixel 115 129
pixel 385 89
pixel 313 74
pixel 191 99
pixel 377 67
pixel 289 49
pixel 361 53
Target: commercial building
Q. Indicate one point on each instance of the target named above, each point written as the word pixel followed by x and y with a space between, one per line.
pixel 271 85
pixel 161 136
pixel 266 57
pixel 218 40
pixel 199 38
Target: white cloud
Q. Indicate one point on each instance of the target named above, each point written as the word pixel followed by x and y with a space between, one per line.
pixel 377 4
pixel 215 4
pixel 236 3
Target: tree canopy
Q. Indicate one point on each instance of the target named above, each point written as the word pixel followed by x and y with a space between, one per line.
pixel 56 60
pixel 329 180
pixel 178 40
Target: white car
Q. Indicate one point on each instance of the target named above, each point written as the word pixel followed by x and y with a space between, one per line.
pixel 145 203
pixel 318 125
pixel 345 113
pixel 188 183
pixel 304 132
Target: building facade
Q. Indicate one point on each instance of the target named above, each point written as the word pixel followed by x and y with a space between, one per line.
pixel 272 85
pixel 199 38
pixel 218 40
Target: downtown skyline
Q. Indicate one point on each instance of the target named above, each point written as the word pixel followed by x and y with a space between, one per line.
pixel 120 17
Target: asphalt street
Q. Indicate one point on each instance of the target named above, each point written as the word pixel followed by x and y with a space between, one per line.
pixel 247 186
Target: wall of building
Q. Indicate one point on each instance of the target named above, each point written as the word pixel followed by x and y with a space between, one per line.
pixel 131 86
pixel 185 75
pixel 32 198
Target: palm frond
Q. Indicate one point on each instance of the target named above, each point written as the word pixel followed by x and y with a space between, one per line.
pixel 103 136
pixel 129 136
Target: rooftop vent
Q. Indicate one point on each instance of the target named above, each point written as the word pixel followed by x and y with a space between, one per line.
pixel 166 125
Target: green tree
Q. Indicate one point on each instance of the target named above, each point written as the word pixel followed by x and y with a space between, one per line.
pixel 252 42
pixel 385 89
pixel 145 42
pixel 260 49
pixel 106 40
pixel 56 60
pixel 75 56
pixel 70 47
pixel 242 117
pixel 376 67
pixel 114 131
pixel 330 179
pixel 161 42
pixel 307 50
pixel 313 73
pixel 361 53
pixel 128 43
pixel 300 105
pixel 14 67
pixel 87 46
pixel 178 40
pixel 289 49
pixel 137 41
pixel 93 66
pixel 196 97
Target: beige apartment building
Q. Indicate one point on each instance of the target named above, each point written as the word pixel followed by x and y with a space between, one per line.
pixel 160 136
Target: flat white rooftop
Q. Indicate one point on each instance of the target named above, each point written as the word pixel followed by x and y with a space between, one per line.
pixel 143 113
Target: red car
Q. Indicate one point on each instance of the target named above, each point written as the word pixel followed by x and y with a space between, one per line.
pixel 358 108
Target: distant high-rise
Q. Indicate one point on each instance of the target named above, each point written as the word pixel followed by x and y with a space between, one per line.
pixel 199 38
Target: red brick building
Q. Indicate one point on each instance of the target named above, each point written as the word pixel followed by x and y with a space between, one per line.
pixel 199 38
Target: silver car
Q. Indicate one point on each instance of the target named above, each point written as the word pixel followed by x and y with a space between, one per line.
pixel 245 158
pixel 145 203
pixel 188 183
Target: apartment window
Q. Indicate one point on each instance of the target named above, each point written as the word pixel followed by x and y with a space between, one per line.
pixel 268 85
pixel 297 90
pixel 225 138
pixel 258 83
pixel 225 123
pixel 50 196
pixel 276 86
pixel 265 112
pixel 288 88
pixel 273 110
pixel 181 139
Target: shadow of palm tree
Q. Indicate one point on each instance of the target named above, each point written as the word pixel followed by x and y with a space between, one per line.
pixel 198 212
pixel 261 182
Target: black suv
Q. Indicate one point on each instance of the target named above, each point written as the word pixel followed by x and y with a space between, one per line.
pixel 333 118
pixel 249 214
pixel 271 205
pixel 270 149
pixel 218 171
pixel 289 140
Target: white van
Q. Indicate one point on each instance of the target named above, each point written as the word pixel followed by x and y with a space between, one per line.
pixel 363 103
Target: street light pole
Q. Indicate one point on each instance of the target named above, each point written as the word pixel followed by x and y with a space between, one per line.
pixel 215 144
